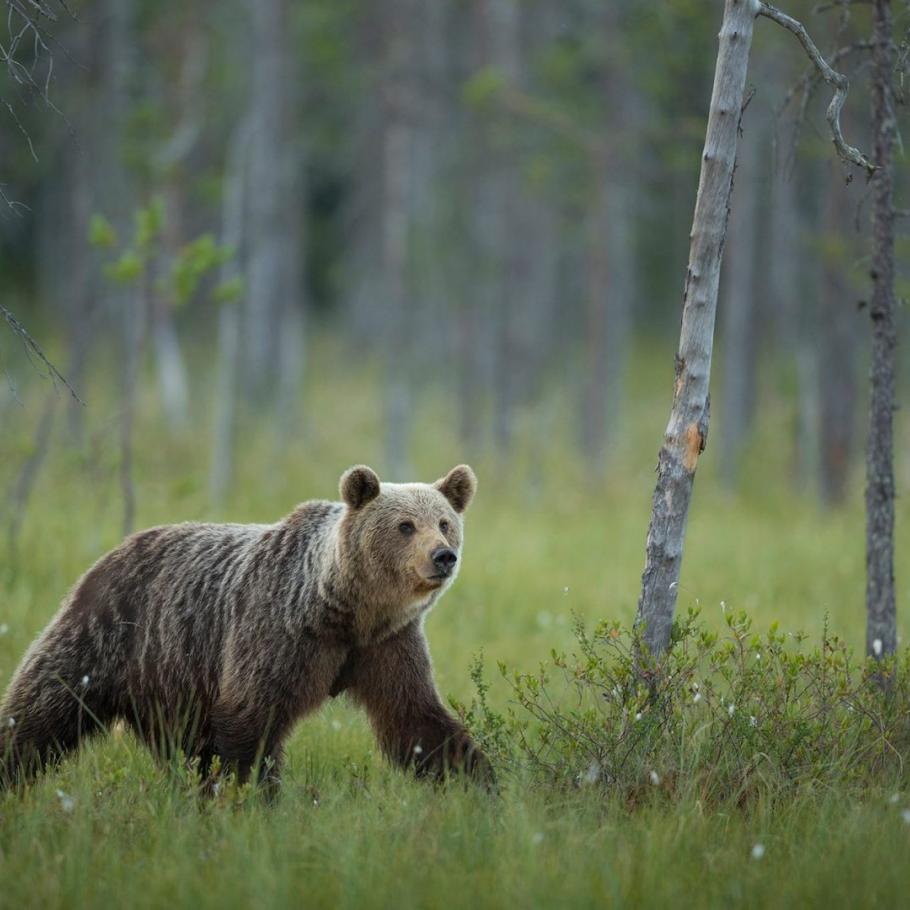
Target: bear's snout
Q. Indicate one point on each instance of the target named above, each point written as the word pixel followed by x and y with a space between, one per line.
pixel 444 559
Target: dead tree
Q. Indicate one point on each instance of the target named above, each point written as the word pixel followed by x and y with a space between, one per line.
pixel 687 430
pixel 881 615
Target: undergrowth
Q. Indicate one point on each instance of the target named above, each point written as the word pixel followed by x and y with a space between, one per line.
pixel 721 718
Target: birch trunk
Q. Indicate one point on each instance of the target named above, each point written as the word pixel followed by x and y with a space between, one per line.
pixel 687 429
pixel 881 618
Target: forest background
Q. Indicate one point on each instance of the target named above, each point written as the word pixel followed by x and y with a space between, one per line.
pixel 263 241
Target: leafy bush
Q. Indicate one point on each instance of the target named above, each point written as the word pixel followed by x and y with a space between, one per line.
pixel 722 718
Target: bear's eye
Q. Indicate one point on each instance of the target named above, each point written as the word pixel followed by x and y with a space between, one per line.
pixel 444 526
pixel 407 528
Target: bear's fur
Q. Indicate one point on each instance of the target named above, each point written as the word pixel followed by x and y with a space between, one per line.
pixel 216 638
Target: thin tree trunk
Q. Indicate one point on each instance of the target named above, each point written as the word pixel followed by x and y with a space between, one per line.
pixel 274 285
pixel 687 429
pixel 610 290
pixel 794 290
pixel 235 187
pixel 135 323
pixel 172 376
pixel 881 623
pixel 739 341
pixel 500 38
pixel 595 390
pixel 395 223
pixel 20 493
pixel 836 343
pixel 396 214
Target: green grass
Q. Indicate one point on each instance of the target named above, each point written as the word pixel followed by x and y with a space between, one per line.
pixel 544 540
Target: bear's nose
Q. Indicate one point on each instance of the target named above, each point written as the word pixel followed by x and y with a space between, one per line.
pixel 444 559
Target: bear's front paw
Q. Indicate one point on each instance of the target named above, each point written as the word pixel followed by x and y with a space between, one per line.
pixel 460 755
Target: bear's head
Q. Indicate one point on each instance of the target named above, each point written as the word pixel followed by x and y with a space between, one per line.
pixel 403 540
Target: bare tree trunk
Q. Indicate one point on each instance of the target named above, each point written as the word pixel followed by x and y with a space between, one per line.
pixel 173 383
pixel 500 39
pixel 135 319
pixel 610 281
pixel 595 389
pixel 794 290
pixel 687 429
pixel 21 490
pixel 739 323
pixel 396 213
pixel 274 276
pixel 228 366
pixel 881 622
pixel 836 344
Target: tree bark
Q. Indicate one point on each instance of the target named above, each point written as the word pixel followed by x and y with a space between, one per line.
pixel 687 429
pixel 228 366
pixel 836 345
pixel 396 216
pixel 274 273
pixel 881 617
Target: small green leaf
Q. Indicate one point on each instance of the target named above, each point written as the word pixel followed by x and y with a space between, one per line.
pixel 126 269
pixel 101 233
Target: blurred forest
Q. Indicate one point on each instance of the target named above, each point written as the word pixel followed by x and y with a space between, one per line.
pixel 483 203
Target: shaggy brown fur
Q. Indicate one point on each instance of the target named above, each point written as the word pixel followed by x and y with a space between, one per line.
pixel 216 639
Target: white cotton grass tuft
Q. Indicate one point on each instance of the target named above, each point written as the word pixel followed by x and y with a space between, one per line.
pixel 731 709
pixel 877 647
pixel 758 851
pixel 905 815
pixel 67 803
pixel 418 749
pixel 696 698
pixel 85 680
pixel 894 799
pixel 655 778
pixel 4 628
pixel 11 722
pixel 565 590
pixel 638 715
pixel 752 721
pixel 336 724
pixel 537 838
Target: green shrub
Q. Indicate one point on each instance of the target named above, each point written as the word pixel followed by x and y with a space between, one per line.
pixel 722 718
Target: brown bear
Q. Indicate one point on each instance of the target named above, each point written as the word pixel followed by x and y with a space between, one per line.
pixel 214 639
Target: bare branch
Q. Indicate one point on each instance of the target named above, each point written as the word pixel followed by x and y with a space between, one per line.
pixel 834 4
pixel 838 81
pixel 34 349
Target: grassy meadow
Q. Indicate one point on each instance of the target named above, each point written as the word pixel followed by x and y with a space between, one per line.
pixel 546 540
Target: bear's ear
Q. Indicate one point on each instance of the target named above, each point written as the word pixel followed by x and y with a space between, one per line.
pixel 359 485
pixel 458 487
